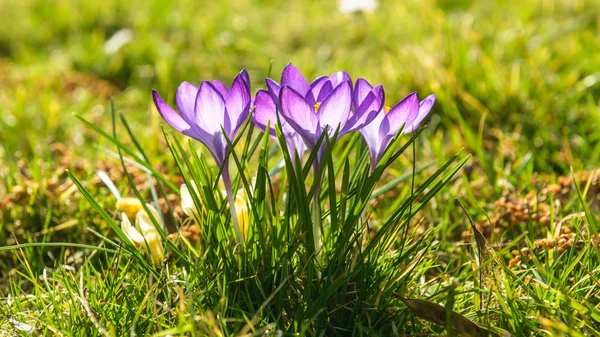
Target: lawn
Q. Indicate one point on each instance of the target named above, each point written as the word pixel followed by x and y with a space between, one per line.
pixel 484 221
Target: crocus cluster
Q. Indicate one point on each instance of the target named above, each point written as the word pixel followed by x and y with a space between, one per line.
pixel 329 104
pixel 309 109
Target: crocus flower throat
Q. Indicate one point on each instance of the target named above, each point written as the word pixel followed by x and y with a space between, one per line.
pixel 317 105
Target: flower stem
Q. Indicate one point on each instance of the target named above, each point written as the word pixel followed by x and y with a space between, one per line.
pixel 363 238
pixel 231 199
pixel 316 225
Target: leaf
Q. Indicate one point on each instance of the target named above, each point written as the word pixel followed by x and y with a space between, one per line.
pixel 586 208
pixel 116 228
pixel 439 315
pixel 491 273
pixel 129 152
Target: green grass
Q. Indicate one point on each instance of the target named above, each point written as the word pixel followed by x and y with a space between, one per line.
pixel 517 85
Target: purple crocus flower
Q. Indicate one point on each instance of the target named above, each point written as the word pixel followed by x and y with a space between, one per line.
pixel 324 104
pixel 203 110
pixel 265 113
pixel 267 103
pixel 380 132
pixel 204 113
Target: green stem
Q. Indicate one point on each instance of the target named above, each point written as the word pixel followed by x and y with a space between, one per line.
pixel 316 225
pixel 363 238
pixel 231 199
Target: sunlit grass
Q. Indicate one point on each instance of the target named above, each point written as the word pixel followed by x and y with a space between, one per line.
pixel 517 87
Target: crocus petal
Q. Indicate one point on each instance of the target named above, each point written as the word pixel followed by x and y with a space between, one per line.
pixel 370 133
pixel 185 100
pixel 265 111
pixel 237 103
pixel 169 114
pixel 339 78
pixel 296 111
pixel 317 83
pixel 326 89
pixel 403 113
pixel 361 89
pixel 209 112
pixel 144 223
pixel 367 111
pixel 129 206
pixel 187 202
pixel 295 144
pixel 273 88
pixel 222 88
pixel 130 232
pixel 156 250
pixel 152 238
pixel 245 78
pixel 292 77
pixel 335 109
pixel 369 103
pixel 424 109
pixel 316 87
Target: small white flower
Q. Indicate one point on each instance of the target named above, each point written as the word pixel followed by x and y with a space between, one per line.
pixel 143 221
pixel 351 6
pixel 187 202
pixel 131 232
pixel 118 40
pixel 144 235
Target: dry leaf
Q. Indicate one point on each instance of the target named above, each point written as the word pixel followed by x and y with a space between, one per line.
pixel 437 315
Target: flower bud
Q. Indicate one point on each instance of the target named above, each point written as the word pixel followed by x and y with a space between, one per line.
pixel 144 235
pixel 150 233
pixel 131 232
pixel 130 206
pixel 187 202
pixel 243 212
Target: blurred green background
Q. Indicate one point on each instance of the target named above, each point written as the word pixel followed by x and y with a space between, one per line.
pixel 527 71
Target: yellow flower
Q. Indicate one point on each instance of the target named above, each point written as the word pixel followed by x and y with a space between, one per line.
pixel 144 235
pixel 241 206
pixel 243 212
pixel 131 206
pixel 131 232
